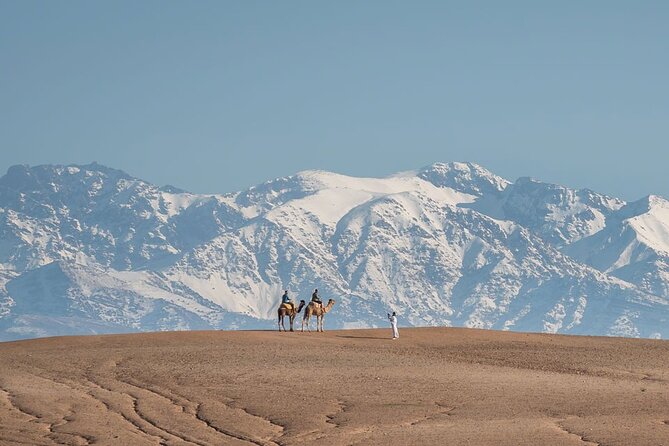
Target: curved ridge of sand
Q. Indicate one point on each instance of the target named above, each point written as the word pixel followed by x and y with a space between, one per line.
pixel 354 387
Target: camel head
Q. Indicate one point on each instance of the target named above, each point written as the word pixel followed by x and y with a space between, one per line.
pixel 330 304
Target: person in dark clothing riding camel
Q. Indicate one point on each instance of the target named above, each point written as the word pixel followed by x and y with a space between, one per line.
pixel 316 299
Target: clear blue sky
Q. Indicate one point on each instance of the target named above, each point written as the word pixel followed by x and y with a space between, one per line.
pixel 217 96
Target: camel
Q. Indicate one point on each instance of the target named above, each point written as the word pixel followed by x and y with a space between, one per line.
pixel 316 310
pixel 291 312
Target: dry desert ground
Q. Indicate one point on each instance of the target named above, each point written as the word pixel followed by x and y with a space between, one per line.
pixel 434 386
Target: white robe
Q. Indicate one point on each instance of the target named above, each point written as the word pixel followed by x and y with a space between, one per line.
pixel 393 324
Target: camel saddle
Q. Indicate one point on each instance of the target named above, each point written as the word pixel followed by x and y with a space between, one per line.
pixel 289 306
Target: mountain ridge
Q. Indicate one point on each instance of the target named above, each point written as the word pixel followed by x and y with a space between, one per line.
pixel 447 244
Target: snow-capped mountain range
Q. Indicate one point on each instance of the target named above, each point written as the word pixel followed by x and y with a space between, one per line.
pixel 90 249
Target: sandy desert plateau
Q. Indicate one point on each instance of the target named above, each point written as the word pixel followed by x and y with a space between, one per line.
pixel 433 386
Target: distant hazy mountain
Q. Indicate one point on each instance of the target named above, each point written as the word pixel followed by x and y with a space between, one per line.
pixel 89 249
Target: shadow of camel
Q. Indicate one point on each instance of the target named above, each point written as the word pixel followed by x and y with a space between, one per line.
pixel 362 337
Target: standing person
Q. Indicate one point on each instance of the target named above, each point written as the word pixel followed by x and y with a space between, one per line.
pixel 393 323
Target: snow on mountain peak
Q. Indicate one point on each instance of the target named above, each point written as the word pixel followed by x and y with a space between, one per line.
pixel 469 178
pixel 656 202
pixel 634 245
pixel 328 195
pixel 559 214
pixel 652 223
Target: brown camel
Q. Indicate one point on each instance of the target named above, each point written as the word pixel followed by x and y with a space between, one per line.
pixel 290 311
pixel 313 309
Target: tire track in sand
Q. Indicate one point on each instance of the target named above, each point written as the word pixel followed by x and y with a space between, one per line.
pixel 9 398
pixel 149 403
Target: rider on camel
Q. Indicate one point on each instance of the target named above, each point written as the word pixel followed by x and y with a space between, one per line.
pixel 316 299
pixel 286 300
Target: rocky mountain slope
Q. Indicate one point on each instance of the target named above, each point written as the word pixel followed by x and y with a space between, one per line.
pixel 89 249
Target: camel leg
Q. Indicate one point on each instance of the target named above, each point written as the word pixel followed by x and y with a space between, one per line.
pixel 291 320
pixel 281 323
